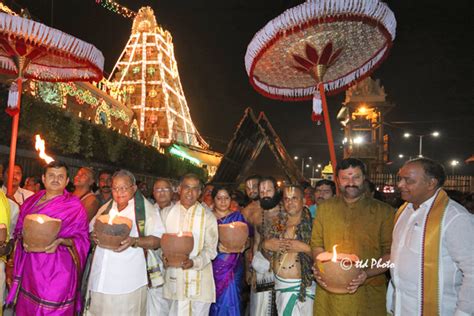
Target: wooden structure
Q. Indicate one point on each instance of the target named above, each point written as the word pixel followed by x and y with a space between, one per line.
pixel 249 138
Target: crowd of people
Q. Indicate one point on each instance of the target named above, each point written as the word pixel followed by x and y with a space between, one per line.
pixel 423 251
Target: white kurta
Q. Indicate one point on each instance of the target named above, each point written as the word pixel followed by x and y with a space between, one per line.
pixel 20 195
pixel 122 272
pixel 456 265
pixel 157 304
pixel 200 278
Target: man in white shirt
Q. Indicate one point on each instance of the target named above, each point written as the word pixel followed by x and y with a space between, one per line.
pixel 432 250
pixel 156 303
pixel 191 287
pixel 19 194
pixel 118 279
pixel 162 193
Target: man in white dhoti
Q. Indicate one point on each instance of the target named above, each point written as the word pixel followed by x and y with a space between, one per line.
pixel 191 287
pixel 119 278
pixel 262 295
pixel 289 243
pixel 432 250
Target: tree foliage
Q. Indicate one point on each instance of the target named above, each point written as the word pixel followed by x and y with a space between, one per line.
pixel 70 136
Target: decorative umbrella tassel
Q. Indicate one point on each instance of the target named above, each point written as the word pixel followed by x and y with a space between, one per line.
pixel 12 103
pixel 317 115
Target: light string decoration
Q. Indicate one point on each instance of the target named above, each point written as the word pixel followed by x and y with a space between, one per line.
pixel 117 8
pixel 48 92
pixel 148 72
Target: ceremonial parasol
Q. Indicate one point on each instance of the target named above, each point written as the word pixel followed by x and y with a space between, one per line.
pixel 31 50
pixel 318 47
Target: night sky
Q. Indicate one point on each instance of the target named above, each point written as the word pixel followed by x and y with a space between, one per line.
pixel 428 74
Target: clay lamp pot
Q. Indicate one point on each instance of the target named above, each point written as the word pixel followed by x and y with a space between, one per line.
pixel 177 247
pixel 3 234
pixel 112 229
pixel 233 236
pixel 39 231
pixel 337 270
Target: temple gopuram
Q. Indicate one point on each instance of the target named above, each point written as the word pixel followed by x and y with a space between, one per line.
pixel 142 99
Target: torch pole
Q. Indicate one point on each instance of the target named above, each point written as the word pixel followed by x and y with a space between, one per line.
pixel 15 121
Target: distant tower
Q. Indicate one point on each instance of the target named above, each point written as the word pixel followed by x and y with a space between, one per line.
pixel 147 69
pixel 362 116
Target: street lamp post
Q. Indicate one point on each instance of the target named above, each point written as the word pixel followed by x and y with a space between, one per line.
pixel 315 170
pixel 420 143
pixel 302 162
pixel 454 163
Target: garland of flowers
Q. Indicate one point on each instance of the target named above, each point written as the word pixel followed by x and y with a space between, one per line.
pixel 303 233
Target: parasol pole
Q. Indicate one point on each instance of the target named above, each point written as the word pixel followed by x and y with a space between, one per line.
pixel 327 124
pixel 16 119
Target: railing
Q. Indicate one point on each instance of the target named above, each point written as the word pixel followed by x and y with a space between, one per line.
pixel 453 182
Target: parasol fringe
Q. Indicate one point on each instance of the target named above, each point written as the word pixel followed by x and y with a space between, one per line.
pixel 7 63
pixel 328 86
pixel 39 33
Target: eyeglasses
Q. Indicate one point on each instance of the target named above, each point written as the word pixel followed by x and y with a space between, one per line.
pixel 162 190
pixel 121 189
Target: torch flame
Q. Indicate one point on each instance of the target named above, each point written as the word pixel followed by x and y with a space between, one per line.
pixel 40 148
pixel 231 225
pixel 113 213
pixel 334 254
pixel 40 220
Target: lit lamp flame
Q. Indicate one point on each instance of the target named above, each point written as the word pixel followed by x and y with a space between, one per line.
pixel 113 213
pixel 40 220
pixel 334 254
pixel 40 148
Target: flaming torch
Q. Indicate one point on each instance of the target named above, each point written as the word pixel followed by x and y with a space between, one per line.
pixel 41 148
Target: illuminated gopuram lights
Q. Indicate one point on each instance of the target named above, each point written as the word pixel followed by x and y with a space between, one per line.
pixel 148 71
